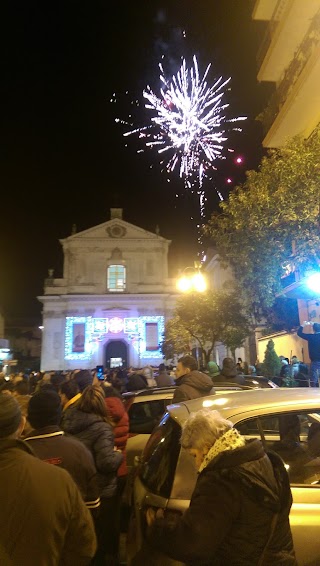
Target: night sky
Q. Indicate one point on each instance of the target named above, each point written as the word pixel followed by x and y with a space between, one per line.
pixel 64 159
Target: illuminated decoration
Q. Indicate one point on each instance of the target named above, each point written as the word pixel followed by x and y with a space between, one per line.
pixel 70 322
pixel 4 353
pixel 131 325
pixel 100 325
pixel 97 330
pixel 143 320
pixel 313 282
pixel 116 325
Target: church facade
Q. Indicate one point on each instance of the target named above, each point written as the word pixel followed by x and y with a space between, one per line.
pixel 112 302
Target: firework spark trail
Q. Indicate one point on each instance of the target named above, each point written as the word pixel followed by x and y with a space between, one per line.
pixel 189 124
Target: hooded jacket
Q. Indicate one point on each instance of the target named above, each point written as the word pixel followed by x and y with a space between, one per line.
pixel 98 436
pixel 43 519
pixel 192 385
pixel 231 511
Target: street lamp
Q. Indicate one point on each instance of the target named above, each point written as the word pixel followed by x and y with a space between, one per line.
pixel 191 279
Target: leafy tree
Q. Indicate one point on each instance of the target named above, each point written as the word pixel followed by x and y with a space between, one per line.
pixel 204 319
pixel 177 340
pixel 271 365
pixel 270 221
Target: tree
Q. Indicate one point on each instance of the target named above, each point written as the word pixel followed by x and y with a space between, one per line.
pixel 177 339
pixel 204 319
pixel 271 221
pixel 271 365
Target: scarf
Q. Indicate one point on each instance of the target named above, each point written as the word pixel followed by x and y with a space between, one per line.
pixel 230 440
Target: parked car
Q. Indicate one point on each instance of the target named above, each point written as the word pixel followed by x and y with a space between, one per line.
pixel 285 420
pixel 146 407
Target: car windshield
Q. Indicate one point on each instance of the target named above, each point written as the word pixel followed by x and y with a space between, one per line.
pixel 159 458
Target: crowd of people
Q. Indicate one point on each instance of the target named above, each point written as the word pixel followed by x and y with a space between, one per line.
pixel 63 439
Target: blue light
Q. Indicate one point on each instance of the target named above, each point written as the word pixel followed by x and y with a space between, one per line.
pixel 313 282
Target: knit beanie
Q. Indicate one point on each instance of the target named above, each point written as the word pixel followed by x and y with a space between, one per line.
pixel 213 369
pixel 83 378
pixel 10 415
pixel 44 409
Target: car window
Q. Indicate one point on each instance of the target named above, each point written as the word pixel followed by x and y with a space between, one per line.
pixel 145 415
pixel 159 458
pixel 295 436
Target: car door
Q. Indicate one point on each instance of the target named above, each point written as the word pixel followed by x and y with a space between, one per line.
pixel 295 435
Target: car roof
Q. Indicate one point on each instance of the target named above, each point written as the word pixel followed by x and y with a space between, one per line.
pixel 163 392
pixel 149 391
pixel 232 403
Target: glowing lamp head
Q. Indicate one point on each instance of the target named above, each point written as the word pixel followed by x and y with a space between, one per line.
pixel 195 282
pixel 199 283
pixel 313 282
pixel 184 284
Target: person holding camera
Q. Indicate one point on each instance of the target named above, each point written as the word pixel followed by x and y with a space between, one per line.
pixel 314 350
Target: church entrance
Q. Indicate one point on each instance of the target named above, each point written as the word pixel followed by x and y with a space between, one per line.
pixel 116 354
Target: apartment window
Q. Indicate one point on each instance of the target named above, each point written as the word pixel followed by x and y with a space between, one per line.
pixel 116 278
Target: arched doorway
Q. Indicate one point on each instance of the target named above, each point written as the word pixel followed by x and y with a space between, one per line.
pixel 116 354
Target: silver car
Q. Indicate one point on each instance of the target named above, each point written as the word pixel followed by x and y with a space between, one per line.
pixel 285 420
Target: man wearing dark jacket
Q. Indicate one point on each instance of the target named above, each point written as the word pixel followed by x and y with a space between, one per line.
pixel 190 382
pixel 314 351
pixel 43 519
pixel 50 444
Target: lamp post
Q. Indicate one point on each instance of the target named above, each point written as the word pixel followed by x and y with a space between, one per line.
pixel 191 280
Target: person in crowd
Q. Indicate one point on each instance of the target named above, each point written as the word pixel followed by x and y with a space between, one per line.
pixel 83 378
pixel 49 443
pixel 239 510
pixel 190 383
pixel 136 381
pixel 252 370
pixel 56 380
pixel 147 373
pixel 120 419
pixel 294 366
pixel 229 373
pixel 163 379
pixel 314 350
pixel 285 371
pixel 43 519
pixel 302 377
pixel 21 393
pixel 213 369
pixel 34 378
pixel 69 395
pixel 90 423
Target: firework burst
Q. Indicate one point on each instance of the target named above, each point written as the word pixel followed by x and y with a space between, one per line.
pixel 188 126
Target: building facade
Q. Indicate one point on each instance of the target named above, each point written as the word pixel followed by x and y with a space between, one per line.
pixel 289 58
pixel 112 302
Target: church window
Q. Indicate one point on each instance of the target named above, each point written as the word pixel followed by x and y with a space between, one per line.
pixel 116 278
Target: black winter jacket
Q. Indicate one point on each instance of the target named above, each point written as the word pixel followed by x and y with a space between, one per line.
pixel 52 445
pixel 192 385
pixel 230 514
pixel 98 436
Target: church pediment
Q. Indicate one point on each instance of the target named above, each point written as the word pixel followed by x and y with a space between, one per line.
pixel 114 230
